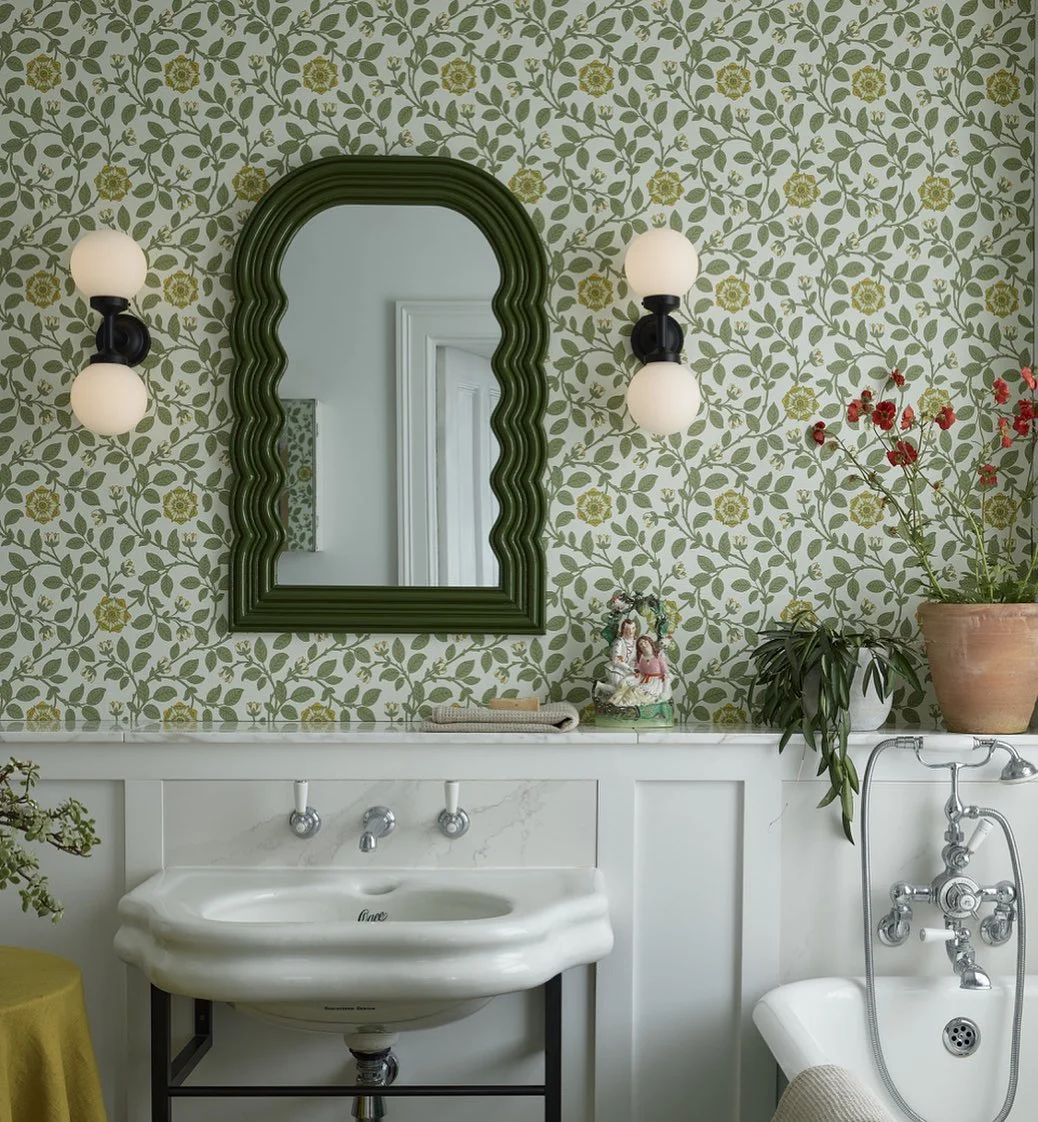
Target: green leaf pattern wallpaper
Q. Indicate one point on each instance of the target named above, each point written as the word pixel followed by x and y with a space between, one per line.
pixel 857 175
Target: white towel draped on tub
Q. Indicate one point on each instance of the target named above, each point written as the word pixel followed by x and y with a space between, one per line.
pixel 829 1094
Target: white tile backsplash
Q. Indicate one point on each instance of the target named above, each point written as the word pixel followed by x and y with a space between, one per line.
pixel 537 823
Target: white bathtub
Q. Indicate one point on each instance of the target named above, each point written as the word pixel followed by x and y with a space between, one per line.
pixel 822 1021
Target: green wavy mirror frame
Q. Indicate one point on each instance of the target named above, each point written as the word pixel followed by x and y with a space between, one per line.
pixel 257 601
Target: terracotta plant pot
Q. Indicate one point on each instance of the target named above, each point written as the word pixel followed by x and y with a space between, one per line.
pixel 984 664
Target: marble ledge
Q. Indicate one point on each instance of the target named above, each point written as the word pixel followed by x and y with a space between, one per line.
pixel 704 735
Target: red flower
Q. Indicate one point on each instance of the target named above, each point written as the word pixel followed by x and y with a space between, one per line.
pixel 946 418
pixel 897 377
pixel 1026 409
pixel 988 478
pixel 903 454
pixel 1022 425
pixel 866 396
pixel 855 410
pixel 908 417
pixel 1003 428
pixel 1001 388
pixel 884 415
pixel 818 432
pixel 1029 377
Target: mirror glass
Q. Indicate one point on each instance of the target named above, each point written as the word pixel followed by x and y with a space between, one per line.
pixel 387 391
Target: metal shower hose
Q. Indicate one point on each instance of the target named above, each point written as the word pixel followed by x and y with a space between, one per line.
pixel 870 973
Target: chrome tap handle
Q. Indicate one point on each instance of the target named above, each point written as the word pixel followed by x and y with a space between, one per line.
pixel 453 821
pixel 304 821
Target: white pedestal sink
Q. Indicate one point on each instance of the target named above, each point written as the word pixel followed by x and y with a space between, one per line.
pixel 361 952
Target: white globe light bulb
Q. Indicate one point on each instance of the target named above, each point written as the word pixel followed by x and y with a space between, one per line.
pixel 663 398
pixel 661 263
pixel 108 263
pixel 108 398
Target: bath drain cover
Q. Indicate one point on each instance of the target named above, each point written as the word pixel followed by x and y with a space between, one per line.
pixel 961 1036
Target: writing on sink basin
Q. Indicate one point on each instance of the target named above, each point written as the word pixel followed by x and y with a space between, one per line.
pixel 372 917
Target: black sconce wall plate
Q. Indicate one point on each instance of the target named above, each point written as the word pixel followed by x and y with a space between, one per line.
pixel 121 338
pixel 658 337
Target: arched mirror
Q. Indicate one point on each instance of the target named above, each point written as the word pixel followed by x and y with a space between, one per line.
pixel 388 389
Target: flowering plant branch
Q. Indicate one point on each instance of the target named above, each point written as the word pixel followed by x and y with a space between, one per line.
pixel 1001 568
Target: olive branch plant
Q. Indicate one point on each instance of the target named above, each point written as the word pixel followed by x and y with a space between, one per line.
pixel 67 828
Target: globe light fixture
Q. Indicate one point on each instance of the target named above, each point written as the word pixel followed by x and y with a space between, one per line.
pixel 107 397
pixel 663 397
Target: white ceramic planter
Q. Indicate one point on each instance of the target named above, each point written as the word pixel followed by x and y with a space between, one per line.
pixel 866 712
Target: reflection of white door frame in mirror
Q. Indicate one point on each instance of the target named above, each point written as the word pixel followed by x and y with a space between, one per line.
pixel 423 329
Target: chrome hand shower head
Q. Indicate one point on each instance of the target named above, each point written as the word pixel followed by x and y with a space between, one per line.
pixel 1018 770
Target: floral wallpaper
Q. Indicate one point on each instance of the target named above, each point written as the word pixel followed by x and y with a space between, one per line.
pixel 857 176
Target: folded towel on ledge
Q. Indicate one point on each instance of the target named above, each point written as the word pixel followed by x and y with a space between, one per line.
pixel 557 717
pixel 829 1094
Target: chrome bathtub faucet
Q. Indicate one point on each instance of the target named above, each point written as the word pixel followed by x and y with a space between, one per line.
pixel 958 896
pixel 378 822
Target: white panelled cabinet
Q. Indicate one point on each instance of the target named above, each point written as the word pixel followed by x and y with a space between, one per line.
pixel 685 825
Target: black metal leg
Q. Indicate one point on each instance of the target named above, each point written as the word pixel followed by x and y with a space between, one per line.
pixel 161 1033
pixel 553 1050
pixel 168 1073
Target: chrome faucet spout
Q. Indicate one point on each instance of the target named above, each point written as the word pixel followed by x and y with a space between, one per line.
pixel 378 822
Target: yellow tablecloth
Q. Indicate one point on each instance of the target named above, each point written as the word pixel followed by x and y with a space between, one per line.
pixel 47 1067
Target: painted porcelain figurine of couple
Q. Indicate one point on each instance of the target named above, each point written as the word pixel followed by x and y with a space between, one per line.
pixel 635 690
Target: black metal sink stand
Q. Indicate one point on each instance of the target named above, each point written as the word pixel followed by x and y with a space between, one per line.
pixel 169 1072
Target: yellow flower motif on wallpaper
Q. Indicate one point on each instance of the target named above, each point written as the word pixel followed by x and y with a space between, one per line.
pixel 181 74
pixel 180 713
pixel 931 401
pixel 731 508
pixel 320 75
pixel 798 607
pixel 43 73
pixel 594 507
pixel 42 505
pixel 180 505
pixel 111 613
pixel 729 715
pixel 801 189
pixel 527 185
pixel 42 289
pixel 665 188
pixel 733 80
pixel 868 83
pixel 250 184
pixel 180 289
pixel 317 714
pixel 935 192
pixel 866 510
pixel 1003 87
pixel 1001 299
pixel 595 292
pixel 596 78
pixel 800 403
pixel 868 296
pixel 732 294
pixel 43 711
pixel 458 76
pixel 1000 511
pixel 305 473
pixel 112 183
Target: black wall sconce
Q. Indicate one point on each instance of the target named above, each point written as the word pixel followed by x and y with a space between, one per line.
pixel 107 397
pixel 663 397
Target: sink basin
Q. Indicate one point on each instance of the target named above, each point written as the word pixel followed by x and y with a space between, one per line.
pixel 359 952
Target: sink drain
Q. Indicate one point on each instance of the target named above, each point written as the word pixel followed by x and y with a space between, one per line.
pixel 961 1036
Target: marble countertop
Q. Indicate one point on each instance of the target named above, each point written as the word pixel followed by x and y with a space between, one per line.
pixel 398 732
